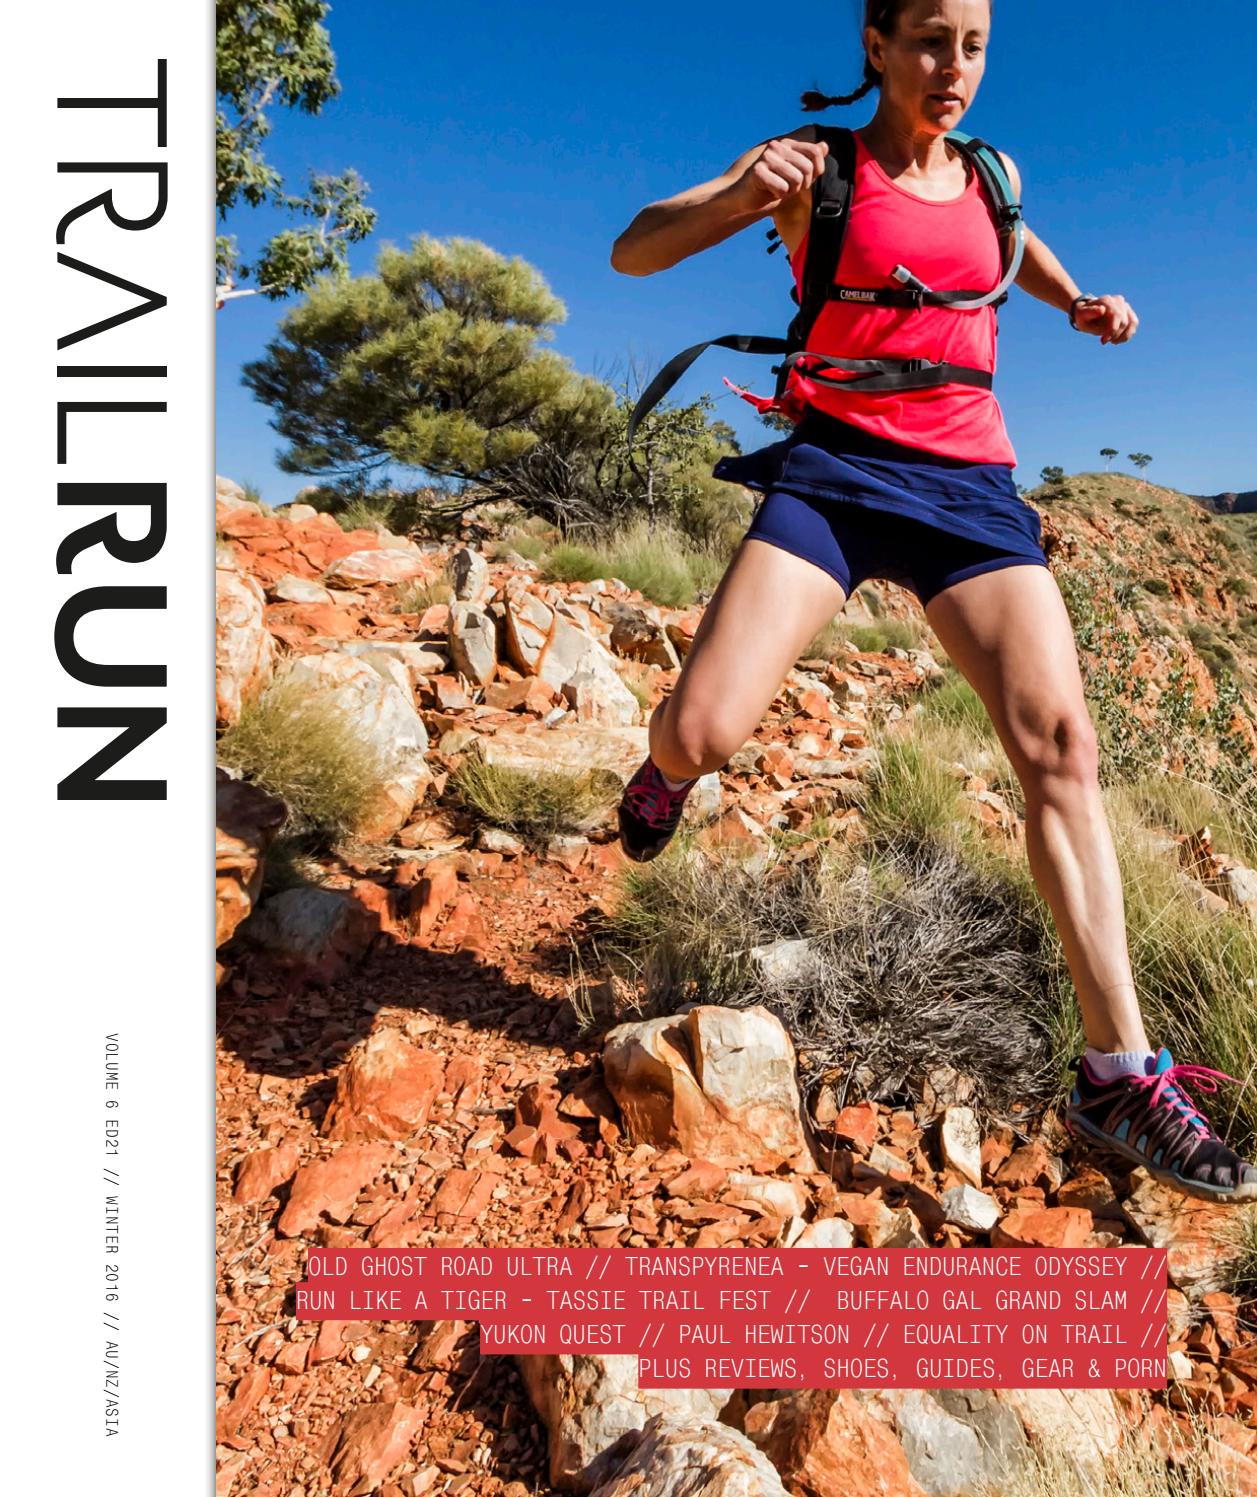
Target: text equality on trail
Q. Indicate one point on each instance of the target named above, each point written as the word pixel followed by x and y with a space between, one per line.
pixel 793 1317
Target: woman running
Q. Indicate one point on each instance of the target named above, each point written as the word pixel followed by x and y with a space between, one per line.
pixel 915 485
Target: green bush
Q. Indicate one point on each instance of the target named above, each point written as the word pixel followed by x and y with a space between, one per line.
pixel 568 562
pixel 418 597
pixel 1137 734
pixel 885 634
pixel 662 565
pixel 954 701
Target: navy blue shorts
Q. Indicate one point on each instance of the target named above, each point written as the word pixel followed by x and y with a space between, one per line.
pixel 855 543
pixel 859 506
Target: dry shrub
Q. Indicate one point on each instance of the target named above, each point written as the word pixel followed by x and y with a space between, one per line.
pixel 536 806
pixel 313 758
pixel 918 959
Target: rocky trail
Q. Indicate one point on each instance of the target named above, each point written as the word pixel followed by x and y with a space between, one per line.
pixel 402 1063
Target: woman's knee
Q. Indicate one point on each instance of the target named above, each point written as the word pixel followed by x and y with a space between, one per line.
pixel 703 739
pixel 1057 750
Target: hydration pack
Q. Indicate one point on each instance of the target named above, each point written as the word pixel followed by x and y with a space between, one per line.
pixel 832 195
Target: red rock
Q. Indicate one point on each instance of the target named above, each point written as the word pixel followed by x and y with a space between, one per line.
pixel 268 1344
pixel 463 1194
pixel 523 1139
pixel 385 1091
pixel 868 1214
pixel 530 692
pixel 449 693
pixel 1047 1227
pixel 292 1357
pixel 435 892
pixel 734 828
pixel 464 930
pixel 858 1125
pixel 464 1079
pixel 825 1442
pixel 702 1180
pixel 578 1199
pixel 995 1150
pixel 380 906
pixel 242 523
pixel 435 620
pixel 589 1098
pixel 331 1186
pixel 247 820
pixel 369 1442
pixel 1223 1308
pixel 317 618
pixel 537 1107
pixel 607 857
pixel 813 703
pixel 777 760
pixel 246 1396
pixel 332 1338
pixel 437 1346
pixel 533 1100
pixel 1198 1236
pixel 261 1173
pixel 1027 1165
pixel 1090 1190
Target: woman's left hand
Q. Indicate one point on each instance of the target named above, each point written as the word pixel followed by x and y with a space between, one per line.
pixel 1111 318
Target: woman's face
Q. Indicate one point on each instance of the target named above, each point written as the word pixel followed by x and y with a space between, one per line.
pixel 931 67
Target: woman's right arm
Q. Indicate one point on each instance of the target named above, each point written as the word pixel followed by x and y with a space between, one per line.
pixel 752 187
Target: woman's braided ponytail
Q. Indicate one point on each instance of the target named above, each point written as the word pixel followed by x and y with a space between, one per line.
pixel 811 99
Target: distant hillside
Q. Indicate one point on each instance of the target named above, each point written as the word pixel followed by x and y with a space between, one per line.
pixel 1229 504
pixel 1196 569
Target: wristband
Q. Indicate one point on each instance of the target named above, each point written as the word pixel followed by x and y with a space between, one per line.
pixel 1073 307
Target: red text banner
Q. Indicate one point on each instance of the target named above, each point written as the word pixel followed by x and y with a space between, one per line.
pixel 788 1318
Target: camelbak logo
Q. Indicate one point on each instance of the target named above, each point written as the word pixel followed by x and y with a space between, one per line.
pixel 845 294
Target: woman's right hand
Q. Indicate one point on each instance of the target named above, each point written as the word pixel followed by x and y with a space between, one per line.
pixel 755 184
pixel 784 167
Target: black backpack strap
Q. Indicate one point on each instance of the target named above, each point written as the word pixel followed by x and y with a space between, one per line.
pixel 888 374
pixel 831 209
pixel 831 200
pixel 676 367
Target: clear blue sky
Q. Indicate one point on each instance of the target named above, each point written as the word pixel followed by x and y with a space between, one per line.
pixel 542 129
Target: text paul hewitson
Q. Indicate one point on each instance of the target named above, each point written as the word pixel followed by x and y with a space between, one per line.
pixel 125 710
pixel 113 1237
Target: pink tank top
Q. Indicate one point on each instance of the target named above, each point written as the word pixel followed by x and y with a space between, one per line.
pixel 948 245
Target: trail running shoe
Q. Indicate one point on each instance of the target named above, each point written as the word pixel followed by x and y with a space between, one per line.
pixel 1151 1120
pixel 649 813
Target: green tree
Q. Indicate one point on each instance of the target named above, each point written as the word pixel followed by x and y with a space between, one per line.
pixel 667 440
pixel 432 363
pixel 277 53
pixel 1141 461
pixel 1108 454
pixel 1054 476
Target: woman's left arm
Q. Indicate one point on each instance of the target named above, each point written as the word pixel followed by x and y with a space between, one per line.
pixel 1111 317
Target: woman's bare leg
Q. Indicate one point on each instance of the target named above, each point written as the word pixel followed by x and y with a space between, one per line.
pixel 768 606
pixel 1009 634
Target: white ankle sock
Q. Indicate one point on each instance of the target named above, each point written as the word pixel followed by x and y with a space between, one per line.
pixel 673 784
pixel 1107 1064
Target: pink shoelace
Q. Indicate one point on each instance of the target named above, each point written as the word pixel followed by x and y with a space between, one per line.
pixel 651 799
pixel 1165 1088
